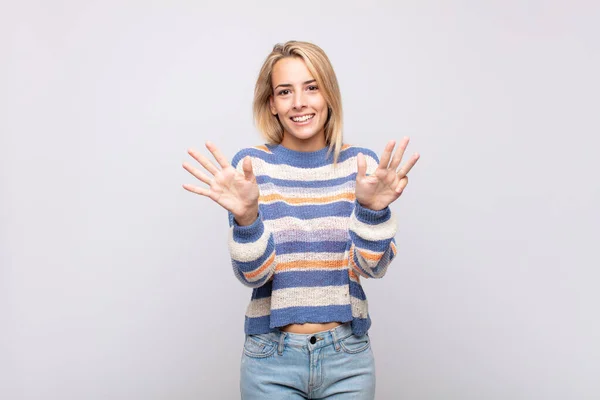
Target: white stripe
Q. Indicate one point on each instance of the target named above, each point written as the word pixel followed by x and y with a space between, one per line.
pixel 326 172
pixel 385 230
pixel 259 307
pixel 303 192
pixel 360 308
pixel 251 251
pixel 334 235
pixel 288 223
pixel 283 258
pixel 310 297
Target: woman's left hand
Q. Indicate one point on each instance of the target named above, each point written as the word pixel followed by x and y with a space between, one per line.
pixel 385 185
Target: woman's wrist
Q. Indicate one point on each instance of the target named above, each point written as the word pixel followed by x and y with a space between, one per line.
pixel 247 218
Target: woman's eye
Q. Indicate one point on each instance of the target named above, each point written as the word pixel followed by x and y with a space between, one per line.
pixel 312 88
pixel 283 92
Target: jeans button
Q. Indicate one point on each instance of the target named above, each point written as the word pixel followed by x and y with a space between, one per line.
pixel 313 339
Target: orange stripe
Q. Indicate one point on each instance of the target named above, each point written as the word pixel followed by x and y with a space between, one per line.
pixel 254 274
pixel 369 256
pixel 393 248
pixel 292 200
pixel 353 275
pixel 311 264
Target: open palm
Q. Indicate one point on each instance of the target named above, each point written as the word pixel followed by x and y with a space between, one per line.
pixel 234 191
pixel 385 185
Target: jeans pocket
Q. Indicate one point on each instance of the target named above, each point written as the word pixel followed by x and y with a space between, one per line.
pixel 256 346
pixel 355 344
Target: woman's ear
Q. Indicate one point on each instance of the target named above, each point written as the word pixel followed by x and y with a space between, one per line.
pixel 272 105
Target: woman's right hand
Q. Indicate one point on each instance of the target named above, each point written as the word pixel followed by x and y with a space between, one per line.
pixel 234 191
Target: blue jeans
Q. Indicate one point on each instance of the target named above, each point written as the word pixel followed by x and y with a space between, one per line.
pixel 333 364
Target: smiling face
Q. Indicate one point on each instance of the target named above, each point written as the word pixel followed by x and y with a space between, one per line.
pixel 299 104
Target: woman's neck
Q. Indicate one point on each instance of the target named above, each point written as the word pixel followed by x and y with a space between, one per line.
pixel 314 143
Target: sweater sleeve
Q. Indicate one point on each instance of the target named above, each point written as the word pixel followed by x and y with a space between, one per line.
pixel 372 243
pixel 252 247
pixel 252 251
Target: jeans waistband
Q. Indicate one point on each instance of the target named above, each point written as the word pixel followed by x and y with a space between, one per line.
pixel 312 340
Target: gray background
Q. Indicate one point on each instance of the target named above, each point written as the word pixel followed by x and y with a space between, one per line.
pixel 115 283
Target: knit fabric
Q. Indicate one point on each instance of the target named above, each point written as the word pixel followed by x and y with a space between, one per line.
pixel 312 241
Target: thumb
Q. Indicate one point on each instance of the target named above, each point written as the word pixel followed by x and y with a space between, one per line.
pixel 361 165
pixel 247 167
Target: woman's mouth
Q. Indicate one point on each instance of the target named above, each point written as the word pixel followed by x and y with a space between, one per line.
pixel 302 119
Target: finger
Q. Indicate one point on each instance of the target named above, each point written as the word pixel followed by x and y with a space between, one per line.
pixel 361 166
pixel 409 164
pixel 205 162
pixel 221 159
pixel 197 173
pixel 387 153
pixel 247 168
pixel 197 190
pixel 402 184
pixel 399 153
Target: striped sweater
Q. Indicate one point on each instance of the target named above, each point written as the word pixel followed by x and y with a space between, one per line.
pixel 312 241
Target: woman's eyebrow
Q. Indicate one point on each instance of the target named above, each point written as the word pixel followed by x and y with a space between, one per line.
pixel 289 84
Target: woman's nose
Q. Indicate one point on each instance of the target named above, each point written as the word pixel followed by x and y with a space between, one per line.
pixel 299 100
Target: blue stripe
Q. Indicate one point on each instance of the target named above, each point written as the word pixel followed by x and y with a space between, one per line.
pixel 283 156
pixel 293 279
pixel 252 153
pixel 318 315
pixel 360 326
pixel 311 247
pixel 263 291
pixel 353 152
pixel 280 209
pixel 371 217
pixel 314 159
pixel 357 291
pixel 253 326
pixel 247 234
pixel 372 245
pixel 261 179
pixel 300 161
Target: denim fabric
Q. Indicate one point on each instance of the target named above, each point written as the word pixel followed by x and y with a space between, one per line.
pixel 280 365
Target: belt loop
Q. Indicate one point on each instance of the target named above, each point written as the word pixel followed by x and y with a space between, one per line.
pixel 281 342
pixel 336 345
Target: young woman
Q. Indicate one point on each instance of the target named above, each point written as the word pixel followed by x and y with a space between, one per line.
pixel 309 217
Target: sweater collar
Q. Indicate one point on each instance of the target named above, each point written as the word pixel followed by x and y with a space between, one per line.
pixel 301 158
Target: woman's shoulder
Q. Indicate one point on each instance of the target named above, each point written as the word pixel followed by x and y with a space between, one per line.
pixel 350 150
pixel 258 151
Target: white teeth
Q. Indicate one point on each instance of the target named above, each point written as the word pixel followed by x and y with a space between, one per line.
pixel 303 118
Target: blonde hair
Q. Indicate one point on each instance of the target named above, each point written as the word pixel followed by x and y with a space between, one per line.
pixel 320 68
